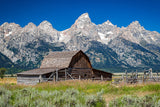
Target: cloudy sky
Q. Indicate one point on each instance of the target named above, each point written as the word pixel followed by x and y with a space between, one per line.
pixel 63 13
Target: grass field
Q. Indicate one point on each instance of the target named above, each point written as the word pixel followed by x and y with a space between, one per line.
pixel 111 92
pixel 9 80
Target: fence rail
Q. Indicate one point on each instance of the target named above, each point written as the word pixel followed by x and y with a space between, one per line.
pixel 135 77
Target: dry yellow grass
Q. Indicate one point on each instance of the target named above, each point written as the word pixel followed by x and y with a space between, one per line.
pixel 8 80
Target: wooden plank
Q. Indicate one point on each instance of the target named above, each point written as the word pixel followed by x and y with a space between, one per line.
pixel 56 74
pixel 70 76
pixel 40 78
pixel 65 74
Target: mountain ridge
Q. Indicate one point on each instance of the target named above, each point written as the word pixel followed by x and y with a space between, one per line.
pixel 26 46
pixel 73 23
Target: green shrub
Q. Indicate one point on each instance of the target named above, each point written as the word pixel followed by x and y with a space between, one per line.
pixel 134 101
pixel 95 100
pixel 31 97
pixel 5 96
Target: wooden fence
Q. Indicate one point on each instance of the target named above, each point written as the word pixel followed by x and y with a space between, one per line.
pixel 135 77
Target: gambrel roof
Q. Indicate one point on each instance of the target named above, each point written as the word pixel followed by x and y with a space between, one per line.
pixel 58 59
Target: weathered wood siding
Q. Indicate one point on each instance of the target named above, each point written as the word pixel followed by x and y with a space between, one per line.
pixel 61 74
pixel 33 79
pixel 28 79
pixel 81 67
pixel 99 74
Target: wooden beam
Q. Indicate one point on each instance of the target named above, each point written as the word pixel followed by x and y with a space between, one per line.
pixel 65 74
pixel 40 78
pixel 136 74
pixel 123 77
pixel 70 76
pixel 157 76
pixel 126 76
pixel 52 75
pixel 101 77
pixel 56 74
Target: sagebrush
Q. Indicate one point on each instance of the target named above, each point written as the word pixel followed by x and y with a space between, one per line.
pixel 31 97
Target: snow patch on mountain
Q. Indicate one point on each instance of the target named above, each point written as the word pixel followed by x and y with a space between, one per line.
pixel 110 32
pixel 8 34
pixel 103 38
pixel 63 38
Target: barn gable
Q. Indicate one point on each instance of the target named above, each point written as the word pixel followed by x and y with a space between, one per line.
pixel 80 66
pixel 80 60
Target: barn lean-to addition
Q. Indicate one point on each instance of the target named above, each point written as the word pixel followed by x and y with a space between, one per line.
pixel 63 66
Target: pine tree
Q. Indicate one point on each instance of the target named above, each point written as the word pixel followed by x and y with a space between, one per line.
pixel 2 72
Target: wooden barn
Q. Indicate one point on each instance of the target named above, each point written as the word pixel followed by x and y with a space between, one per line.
pixel 63 66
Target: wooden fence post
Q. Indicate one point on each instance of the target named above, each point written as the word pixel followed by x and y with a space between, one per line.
pixel 157 76
pixel 123 77
pixel 40 78
pixel 144 76
pixel 65 74
pixel 151 73
pixel 136 74
pixel 79 77
pixel 56 75
pixel 101 77
pixel 126 76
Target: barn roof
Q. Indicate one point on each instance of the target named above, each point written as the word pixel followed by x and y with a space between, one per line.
pixel 37 71
pixel 58 59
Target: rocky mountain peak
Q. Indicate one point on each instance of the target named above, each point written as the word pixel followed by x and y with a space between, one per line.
pixel 108 23
pixel 82 20
pixel 5 24
pixel 30 25
pixel 45 25
pixel 9 28
pixel 47 28
pixel 84 16
pixel 136 24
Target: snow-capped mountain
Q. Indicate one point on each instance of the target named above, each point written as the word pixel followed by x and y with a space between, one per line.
pixel 106 44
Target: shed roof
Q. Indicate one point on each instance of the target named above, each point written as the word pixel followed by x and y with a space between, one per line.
pixel 58 59
pixel 37 71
